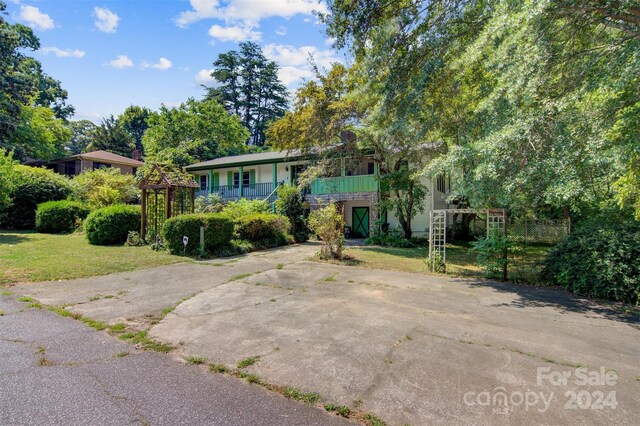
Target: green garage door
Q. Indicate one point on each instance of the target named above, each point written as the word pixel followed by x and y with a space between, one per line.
pixel 360 222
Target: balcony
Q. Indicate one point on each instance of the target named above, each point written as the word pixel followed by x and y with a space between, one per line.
pixel 344 184
pixel 259 191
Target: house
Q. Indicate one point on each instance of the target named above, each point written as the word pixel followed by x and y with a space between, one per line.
pixel 354 185
pixel 76 164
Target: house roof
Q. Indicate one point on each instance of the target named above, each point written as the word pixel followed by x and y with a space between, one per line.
pixel 102 156
pixel 237 160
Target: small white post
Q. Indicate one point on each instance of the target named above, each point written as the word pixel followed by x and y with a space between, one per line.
pixel 202 241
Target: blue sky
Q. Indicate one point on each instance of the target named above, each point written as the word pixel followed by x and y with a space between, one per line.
pixel 112 54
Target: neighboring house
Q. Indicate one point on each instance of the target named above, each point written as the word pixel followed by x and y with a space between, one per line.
pixel 76 164
pixel 356 188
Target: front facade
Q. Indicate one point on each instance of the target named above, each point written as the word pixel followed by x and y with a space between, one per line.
pixel 76 164
pixel 354 186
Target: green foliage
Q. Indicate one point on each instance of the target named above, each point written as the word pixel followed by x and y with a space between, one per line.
pixel 135 121
pixel 392 238
pixel 59 217
pixel 291 205
pixel 244 207
pixel 327 223
pixel 210 203
pixel 263 230
pixel 81 136
pixel 491 253
pixel 111 136
pixel 598 261
pixel 105 187
pixel 194 131
pixel 32 186
pixel 39 134
pixel 249 88
pixel 111 225
pixel 7 178
pixel 218 232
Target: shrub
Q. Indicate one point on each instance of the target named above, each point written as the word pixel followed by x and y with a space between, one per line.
pixel 600 261
pixel 211 203
pixel 491 253
pixel 328 225
pixel 7 163
pixel 263 230
pixel 218 231
pixel 391 238
pixel 291 205
pixel 111 225
pixel 32 186
pixel 105 187
pixel 244 207
pixel 58 217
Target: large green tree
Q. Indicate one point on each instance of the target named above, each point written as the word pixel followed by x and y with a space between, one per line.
pixel 81 136
pixel 533 101
pixel 248 86
pixel 194 131
pixel 111 136
pixel 135 120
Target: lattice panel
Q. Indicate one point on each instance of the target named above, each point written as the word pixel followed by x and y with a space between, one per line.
pixel 437 236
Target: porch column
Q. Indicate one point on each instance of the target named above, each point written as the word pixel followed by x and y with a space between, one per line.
pixel 342 169
pixel 210 181
pixel 241 179
pixel 274 175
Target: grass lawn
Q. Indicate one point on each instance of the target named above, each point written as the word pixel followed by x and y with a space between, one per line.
pixel 523 266
pixel 29 256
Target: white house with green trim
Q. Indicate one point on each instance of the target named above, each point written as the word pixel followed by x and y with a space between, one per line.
pixel 356 190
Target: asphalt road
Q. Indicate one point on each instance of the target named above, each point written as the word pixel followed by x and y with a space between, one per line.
pixel 56 370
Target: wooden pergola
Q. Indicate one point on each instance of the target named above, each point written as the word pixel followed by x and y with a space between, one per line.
pixel 166 192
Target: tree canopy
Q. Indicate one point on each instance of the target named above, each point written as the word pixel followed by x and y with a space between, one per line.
pixel 248 86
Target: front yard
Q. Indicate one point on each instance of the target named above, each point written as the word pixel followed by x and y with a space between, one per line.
pixel 27 256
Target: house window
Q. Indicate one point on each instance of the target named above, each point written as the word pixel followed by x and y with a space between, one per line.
pixel 441 183
pixel 97 165
pixel 203 182
pixel 370 168
pixel 246 180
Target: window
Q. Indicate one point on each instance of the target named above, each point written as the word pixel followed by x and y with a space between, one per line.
pixel 246 180
pixel 203 182
pixel 370 168
pixel 441 183
pixel 97 165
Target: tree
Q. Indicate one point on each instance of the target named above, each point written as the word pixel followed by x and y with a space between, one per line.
pixel 16 89
pixel 81 136
pixel 194 131
pixel 49 91
pixel 39 134
pixel 249 88
pixel 7 180
pixel 134 120
pixel 111 136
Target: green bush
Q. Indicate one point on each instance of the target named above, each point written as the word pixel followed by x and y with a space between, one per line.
pixel 105 187
pixel 59 217
pixel 598 261
pixel 327 223
pixel 111 225
pixel 492 253
pixel 218 231
pixel 291 205
pixel 32 186
pixel 244 207
pixel 263 230
pixel 392 238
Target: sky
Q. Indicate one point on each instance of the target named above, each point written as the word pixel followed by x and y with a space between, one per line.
pixel 112 54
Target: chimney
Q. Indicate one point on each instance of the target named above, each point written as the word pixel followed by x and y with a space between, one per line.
pixel 136 155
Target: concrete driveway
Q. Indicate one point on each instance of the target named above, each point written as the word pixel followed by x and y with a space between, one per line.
pixel 410 348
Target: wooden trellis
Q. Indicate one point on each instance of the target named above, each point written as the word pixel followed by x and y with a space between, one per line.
pixel 165 193
pixel 496 220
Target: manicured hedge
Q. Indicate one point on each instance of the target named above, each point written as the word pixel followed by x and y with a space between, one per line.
pixel 33 185
pixel 59 217
pixel 111 225
pixel 218 231
pixel 263 229
pixel 598 261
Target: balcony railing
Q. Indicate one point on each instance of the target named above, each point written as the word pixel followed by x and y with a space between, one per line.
pixel 232 192
pixel 343 184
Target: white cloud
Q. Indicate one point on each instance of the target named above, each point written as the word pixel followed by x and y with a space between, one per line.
pixel 281 31
pixel 64 53
pixel 122 61
pixel 36 19
pixel 162 64
pixel 248 11
pixel 106 21
pixel 294 61
pixel 234 33
pixel 204 77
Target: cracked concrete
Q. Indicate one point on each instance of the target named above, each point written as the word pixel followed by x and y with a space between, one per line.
pixel 407 347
